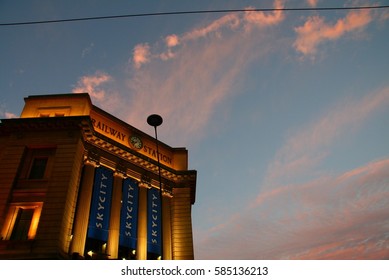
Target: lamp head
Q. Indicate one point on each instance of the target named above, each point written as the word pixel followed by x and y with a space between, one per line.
pixel 154 120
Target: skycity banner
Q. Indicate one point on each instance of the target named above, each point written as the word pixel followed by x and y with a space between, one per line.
pixel 154 222
pixel 129 214
pixel 101 204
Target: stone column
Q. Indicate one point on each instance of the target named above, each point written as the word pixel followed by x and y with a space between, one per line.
pixel 166 227
pixel 141 250
pixel 80 226
pixel 181 217
pixel 114 220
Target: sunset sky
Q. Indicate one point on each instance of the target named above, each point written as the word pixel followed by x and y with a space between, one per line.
pixel 285 113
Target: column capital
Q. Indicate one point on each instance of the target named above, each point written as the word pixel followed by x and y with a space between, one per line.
pixel 90 162
pixel 167 194
pixel 144 185
pixel 117 173
pixel 92 156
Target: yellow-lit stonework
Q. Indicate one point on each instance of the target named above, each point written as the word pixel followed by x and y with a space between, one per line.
pixel 79 183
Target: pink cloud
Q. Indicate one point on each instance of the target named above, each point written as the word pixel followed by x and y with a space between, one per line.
pixel 316 31
pixel 5 114
pixel 172 40
pixel 141 55
pixel 186 77
pixel 308 146
pixel 92 85
pixel 341 216
pixel 266 18
pixel 312 3
pixel 332 217
pixel 230 20
pixel 194 72
pixel 9 115
pixel 183 91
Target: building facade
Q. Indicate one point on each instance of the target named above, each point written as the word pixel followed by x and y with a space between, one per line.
pixel 78 183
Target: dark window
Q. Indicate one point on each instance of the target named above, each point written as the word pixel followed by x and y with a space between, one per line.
pixel 22 224
pixel 38 168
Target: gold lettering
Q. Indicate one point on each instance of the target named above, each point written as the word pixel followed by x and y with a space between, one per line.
pixel 108 130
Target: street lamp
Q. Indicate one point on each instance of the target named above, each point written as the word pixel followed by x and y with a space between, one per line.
pixel 155 121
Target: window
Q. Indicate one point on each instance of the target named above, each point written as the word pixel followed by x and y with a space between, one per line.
pixel 21 221
pixel 36 165
pixel 22 224
pixel 38 168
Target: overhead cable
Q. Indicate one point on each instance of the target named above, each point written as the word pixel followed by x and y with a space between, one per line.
pixel 193 12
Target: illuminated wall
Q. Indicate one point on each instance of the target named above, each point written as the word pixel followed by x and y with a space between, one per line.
pixel 76 182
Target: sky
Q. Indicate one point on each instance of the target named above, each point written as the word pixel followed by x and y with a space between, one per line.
pixel 285 114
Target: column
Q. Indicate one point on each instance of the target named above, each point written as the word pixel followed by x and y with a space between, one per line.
pixel 114 221
pixel 166 227
pixel 141 250
pixel 182 224
pixel 80 226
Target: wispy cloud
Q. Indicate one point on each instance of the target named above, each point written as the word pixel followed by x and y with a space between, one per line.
pixel 186 90
pixel 307 147
pixel 141 55
pixel 264 18
pixel 92 84
pixel 316 30
pixel 4 112
pixel 312 3
pixel 341 216
pixel 8 115
pixel 193 72
pixel 86 51
pixel 185 76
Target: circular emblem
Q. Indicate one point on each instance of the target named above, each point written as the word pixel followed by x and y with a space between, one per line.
pixel 136 142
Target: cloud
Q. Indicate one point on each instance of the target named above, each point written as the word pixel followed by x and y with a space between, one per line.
pixel 185 77
pixel 172 40
pixel 329 216
pixel 87 50
pixel 230 21
pixel 312 3
pixel 307 147
pixel 9 115
pixel 265 18
pixel 316 31
pixel 6 114
pixel 141 55
pixel 215 28
pixel 92 84
pixel 187 89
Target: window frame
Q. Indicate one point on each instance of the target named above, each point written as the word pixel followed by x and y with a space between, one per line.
pixel 35 153
pixel 11 220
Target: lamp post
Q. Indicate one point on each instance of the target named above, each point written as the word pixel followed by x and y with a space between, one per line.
pixel 155 121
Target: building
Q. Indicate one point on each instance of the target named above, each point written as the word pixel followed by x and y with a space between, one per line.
pixel 78 183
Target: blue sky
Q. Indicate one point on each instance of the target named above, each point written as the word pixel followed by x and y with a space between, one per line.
pixel 285 114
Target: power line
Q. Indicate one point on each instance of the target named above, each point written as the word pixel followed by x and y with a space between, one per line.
pixel 194 12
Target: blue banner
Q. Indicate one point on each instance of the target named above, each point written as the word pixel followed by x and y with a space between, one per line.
pixel 154 222
pixel 129 214
pixel 101 204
